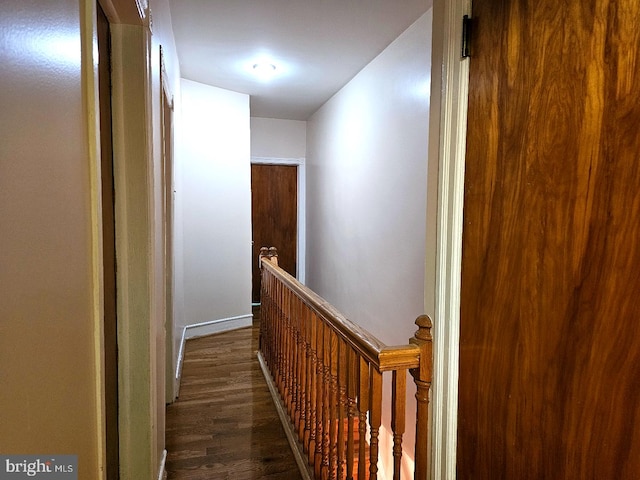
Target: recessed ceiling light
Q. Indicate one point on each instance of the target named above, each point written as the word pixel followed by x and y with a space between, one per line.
pixel 264 70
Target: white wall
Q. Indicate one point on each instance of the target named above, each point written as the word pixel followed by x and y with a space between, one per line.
pixel 215 188
pixel 366 191
pixel 275 138
pixel 285 142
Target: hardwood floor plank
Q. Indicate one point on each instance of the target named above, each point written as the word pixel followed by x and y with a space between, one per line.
pixel 224 424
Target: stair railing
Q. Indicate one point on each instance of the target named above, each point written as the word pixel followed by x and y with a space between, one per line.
pixel 328 373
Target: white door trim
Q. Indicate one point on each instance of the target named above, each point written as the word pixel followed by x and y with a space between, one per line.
pixel 301 246
pixel 447 140
pixel 136 269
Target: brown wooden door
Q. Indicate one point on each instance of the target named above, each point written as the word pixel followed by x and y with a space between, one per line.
pixel 550 316
pixel 274 216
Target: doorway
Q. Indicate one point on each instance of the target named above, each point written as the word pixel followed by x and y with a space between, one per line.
pixel 108 248
pixel 166 104
pixel 274 216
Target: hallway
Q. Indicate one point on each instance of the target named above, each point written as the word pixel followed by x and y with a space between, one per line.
pixel 224 424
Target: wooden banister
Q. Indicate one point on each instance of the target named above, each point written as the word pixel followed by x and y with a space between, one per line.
pixel 328 373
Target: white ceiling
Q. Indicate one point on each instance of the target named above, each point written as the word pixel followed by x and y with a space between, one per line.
pixel 319 45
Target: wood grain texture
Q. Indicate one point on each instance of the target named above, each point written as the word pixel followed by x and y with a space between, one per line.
pixel 549 347
pixel 274 215
pixel 224 424
pixel 322 375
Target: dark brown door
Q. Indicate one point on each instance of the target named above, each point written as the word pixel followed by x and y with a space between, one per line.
pixel 274 193
pixel 550 318
pixel 109 250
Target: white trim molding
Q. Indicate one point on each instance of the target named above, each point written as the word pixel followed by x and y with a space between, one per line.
pixel 217 326
pixel 183 339
pixel 302 207
pixel 447 139
pixel 278 160
pixel 162 473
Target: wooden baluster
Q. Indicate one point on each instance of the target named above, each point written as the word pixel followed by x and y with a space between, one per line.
pixel 263 309
pixel 287 351
pixel 279 338
pixel 363 408
pixel 326 401
pixel 263 297
pixel 375 420
pixel 275 328
pixel 302 370
pixel 310 429
pixel 293 390
pixel 300 358
pixel 293 385
pixel 333 406
pixel 306 398
pixel 265 318
pixel 291 354
pixel 422 377
pixel 265 315
pixel 264 300
pixel 275 332
pixel 342 405
pixel 320 387
pixel 283 346
pixel 271 312
pixel 352 389
pixel 313 403
pixel 398 404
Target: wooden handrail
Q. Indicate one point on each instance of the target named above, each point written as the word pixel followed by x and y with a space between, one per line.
pixel 328 372
pixel 385 358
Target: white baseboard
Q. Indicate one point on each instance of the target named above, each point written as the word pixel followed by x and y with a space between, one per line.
pixel 208 328
pixel 217 326
pixel 176 389
pixel 162 474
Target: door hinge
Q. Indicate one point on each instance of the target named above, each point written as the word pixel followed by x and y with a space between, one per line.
pixel 466 34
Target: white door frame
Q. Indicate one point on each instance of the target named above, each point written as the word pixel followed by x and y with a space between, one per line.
pixel 447 145
pixel 301 199
pixel 135 229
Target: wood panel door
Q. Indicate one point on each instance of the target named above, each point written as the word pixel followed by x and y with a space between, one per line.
pixel 550 339
pixel 274 216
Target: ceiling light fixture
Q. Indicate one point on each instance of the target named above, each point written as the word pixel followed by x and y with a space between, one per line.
pixel 264 70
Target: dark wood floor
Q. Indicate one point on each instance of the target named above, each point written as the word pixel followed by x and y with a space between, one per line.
pixel 224 424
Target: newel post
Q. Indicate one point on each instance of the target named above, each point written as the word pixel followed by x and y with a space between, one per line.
pixel 264 252
pixel 422 377
pixel 269 252
pixel 273 255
